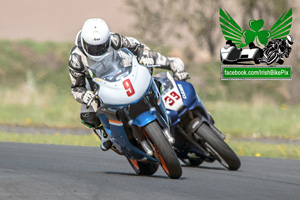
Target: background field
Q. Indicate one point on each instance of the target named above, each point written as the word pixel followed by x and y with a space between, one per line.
pixel 35 85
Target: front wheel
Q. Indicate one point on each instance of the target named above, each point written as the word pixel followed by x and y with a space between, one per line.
pixel 144 169
pixel 215 145
pixel 163 151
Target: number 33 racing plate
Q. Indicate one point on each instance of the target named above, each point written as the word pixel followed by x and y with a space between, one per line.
pixel 173 100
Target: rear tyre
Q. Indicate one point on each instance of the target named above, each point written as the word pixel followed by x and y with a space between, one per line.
pixel 144 169
pixel 215 145
pixel 163 151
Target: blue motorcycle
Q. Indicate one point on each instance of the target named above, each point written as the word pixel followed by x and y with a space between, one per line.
pixel 133 114
pixel 196 138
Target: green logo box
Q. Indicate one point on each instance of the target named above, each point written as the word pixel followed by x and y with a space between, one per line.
pixel 244 72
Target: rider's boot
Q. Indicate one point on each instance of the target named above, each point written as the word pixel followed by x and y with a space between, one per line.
pixel 104 137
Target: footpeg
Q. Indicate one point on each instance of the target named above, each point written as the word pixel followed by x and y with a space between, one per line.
pixel 105 141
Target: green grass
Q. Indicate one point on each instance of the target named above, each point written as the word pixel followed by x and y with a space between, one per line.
pixel 48 108
pixel 246 120
pixel 41 64
pixel 257 149
pixel 241 148
pixel 256 120
pixel 52 107
pixel 57 138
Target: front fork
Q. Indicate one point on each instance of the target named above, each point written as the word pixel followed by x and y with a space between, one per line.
pixel 191 140
pixel 124 116
pixel 190 123
pixel 165 128
pixel 157 108
pixel 137 131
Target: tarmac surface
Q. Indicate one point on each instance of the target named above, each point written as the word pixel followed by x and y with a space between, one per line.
pixel 35 171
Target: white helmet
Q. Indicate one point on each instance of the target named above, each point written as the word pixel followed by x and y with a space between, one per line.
pixel 95 38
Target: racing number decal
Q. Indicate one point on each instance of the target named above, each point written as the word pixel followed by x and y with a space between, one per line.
pixel 175 95
pixel 128 87
pixel 171 100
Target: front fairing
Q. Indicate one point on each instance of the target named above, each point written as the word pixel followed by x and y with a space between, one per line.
pixel 178 96
pixel 121 79
pixel 169 92
pixel 129 97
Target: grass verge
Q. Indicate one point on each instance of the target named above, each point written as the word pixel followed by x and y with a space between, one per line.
pixel 237 120
pixel 242 148
pixel 57 138
pixel 256 120
pixel 269 150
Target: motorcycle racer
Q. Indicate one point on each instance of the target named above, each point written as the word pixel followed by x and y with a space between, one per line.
pixel 283 46
pixel 92 44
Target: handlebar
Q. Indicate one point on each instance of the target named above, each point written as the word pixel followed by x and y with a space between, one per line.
pixel 150 66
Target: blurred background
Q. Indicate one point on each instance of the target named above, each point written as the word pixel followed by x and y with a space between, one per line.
pixel 36 38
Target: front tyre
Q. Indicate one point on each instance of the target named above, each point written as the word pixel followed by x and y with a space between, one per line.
pixel 143 169
pixel 215 145
pixel 163 151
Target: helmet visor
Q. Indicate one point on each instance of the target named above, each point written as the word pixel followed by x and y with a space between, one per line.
pixel 96 50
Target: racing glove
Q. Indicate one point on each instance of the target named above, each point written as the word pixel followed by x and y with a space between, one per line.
pixel 145 55
pixel 177 67
pixel 145 60
pixel 87 96
pixel 181 76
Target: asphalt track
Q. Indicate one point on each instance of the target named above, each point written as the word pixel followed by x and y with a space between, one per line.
pixel 34 171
